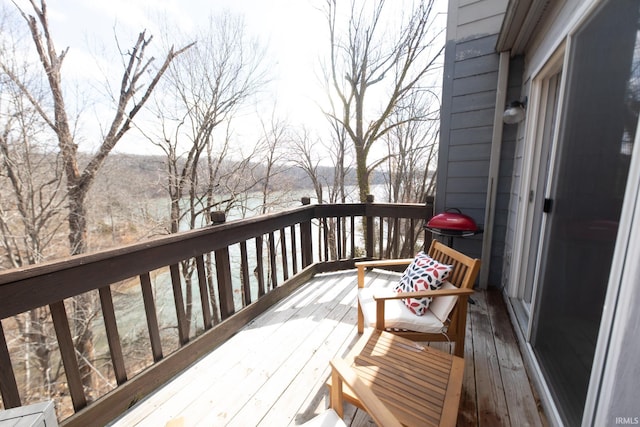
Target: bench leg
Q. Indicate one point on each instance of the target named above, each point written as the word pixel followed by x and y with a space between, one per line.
pixel 459 346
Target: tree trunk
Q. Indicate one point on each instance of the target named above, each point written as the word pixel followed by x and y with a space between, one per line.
pixel 77 219
pixel 84 305
pixel 362 174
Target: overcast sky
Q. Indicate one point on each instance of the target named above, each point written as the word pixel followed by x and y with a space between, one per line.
pixel 295 32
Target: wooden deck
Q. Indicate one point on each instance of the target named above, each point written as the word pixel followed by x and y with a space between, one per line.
pixel 272 373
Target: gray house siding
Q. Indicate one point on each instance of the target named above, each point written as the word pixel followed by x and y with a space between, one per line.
pixel 504 215
pixel 469 95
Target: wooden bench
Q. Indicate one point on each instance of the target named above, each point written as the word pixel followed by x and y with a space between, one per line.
pixel 343 376
pixel 421 386
pixel 462 278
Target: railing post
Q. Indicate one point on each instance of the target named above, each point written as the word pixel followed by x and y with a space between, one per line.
pixel 305 238
pixel 223 270
pixel 429 203
pixel 218 217
pixel 369 226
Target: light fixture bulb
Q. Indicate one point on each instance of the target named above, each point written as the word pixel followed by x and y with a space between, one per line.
pixel 515 113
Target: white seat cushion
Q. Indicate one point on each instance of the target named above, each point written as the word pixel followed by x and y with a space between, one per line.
pixel 442 306
pixel 397 315
pixel 328 418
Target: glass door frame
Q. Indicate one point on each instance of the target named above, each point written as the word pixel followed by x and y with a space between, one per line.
pixel 532 165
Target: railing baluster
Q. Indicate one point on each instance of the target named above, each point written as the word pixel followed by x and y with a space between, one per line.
pixel 225 290
pixel 272 260
pixel 244 275
pixel 176 283
pixel 339 237
pixel 396 238
pixel 319 231
pixel 353 236
pixel 260 266
pixel 412 237
pixel 381 251
pixel 285 258
pixel 294 249
pixel 325 228
pixel 204 293
pixel 113 337
pixel 8 384
pixel 68 354
pixel 152 317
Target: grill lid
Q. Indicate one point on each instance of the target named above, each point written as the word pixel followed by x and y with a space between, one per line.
pixel 453 221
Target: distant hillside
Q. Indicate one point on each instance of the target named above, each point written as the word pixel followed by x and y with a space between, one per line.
pixel 146 176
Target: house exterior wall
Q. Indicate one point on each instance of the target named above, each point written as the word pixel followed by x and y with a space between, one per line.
pixel 467 115
pixel 613 387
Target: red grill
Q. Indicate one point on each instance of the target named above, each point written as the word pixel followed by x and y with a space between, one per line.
pixel 453 223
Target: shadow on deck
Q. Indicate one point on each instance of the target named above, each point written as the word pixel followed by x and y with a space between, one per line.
pixel 272 372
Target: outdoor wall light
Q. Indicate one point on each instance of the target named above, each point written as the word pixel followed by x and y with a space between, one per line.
pixel 515 112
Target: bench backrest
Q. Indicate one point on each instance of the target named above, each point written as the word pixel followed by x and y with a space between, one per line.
pixel 465 269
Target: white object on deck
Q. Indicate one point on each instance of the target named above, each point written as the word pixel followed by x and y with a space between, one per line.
pixel 36 415
pixel 328 418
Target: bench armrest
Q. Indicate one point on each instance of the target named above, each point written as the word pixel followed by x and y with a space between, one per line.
pixel 383 262
pixel 390 294
pixel 363 265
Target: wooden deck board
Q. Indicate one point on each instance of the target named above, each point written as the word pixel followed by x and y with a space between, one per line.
pixel 491 402
pixel 522 404
pixel 468 410
pixel 273 371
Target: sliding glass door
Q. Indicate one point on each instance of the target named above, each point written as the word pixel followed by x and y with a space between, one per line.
pixel 583 199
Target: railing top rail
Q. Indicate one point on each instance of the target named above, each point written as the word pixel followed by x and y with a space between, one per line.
pixel 42 284
pixel 235 231
pixel 35 286
pixel 408 210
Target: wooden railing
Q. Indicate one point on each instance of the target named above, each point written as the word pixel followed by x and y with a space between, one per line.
pixel 262 259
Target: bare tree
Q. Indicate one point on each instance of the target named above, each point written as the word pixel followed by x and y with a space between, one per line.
pixel 131 97
pixel 307 153
pixel 314 157
pixel 32 203
pixel 207 86
pixel 31 212
pixel 205 89
pixel 368 57
pixel 411 164
pixel 136 69
pixel 412 150
pixel 271 154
